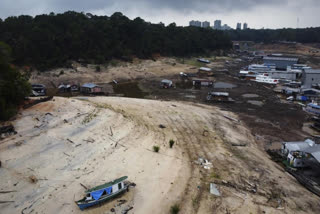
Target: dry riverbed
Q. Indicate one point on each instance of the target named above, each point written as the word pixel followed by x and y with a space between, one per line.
pixel 67 142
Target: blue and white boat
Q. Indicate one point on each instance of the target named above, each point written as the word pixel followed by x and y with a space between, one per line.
pixel 104 192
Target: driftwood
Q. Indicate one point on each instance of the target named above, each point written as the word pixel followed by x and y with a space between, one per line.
pixel 111 133
pixel 2 202
pixel 70 140
pixel 83 186
pixel 231 118
pixel 7 191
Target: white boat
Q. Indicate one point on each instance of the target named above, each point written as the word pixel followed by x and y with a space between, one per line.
pixel 266 79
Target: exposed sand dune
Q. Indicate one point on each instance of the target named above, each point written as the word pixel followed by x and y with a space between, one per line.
pixel 74 144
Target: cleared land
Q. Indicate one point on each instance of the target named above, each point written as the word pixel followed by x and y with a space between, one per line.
pixel 66 142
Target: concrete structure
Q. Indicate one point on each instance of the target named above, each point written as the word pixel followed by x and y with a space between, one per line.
pixel 281 62
pixel 195 23
pixel 217 25
pixel 310 77
pixel 238 26
pixel 245 26
pixel 205 24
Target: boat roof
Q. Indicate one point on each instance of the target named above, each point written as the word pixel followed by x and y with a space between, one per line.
pixel 111 183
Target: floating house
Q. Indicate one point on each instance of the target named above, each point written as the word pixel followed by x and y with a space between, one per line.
pixel 91 88
pixel 38 90
pixel 198 83
pixel 166 83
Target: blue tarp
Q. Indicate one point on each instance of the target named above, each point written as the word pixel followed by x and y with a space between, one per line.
pixel 97 194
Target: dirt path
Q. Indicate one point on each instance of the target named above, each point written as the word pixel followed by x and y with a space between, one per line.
pixel 73 144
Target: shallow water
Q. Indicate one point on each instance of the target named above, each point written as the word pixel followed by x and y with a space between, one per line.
pixel 250 95
pixel 224 85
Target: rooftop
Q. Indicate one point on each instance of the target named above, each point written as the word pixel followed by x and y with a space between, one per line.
pixel 89 85
pixel 281 58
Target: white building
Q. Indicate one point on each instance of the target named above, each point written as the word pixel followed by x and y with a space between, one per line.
pixel 205 24
pixel 217 25
pixel 238 26
pixel 245 26
pixel 195 23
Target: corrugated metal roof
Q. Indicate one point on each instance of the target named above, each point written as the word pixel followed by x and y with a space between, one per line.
pixel 166 81
pixel 280 58
pixel 314 151
pixel 89 85
pixel 299 145
pixel 312 71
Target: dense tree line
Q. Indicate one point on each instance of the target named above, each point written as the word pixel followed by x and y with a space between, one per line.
pixel 52 40
pixel 14 86
pixel 303 35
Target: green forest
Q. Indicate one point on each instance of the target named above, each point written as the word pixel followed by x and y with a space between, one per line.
pixel 14 86
pixel 302 35
pixel 52 40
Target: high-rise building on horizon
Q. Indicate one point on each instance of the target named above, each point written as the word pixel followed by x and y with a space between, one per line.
pixel 245 26
pixel 205 24
pixel 238 26
pixel 195 23
pixel 217 25
pixel 225 27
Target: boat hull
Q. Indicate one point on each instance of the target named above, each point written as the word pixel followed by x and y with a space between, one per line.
pixel 83 205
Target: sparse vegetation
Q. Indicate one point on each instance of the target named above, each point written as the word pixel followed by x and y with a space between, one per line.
pixel 98 69
pixel 175 209
pixel 215 175
pixel 171 142
pixel 90 116
pixel 156 148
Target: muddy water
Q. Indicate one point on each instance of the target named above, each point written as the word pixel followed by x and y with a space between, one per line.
pixel 224 85
pixel 129 89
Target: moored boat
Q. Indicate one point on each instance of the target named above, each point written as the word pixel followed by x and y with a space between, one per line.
pixel 104 192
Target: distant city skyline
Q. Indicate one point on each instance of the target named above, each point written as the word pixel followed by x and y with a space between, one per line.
pixel 260 14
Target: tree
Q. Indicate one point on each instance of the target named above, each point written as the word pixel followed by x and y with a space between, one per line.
pixel 14 86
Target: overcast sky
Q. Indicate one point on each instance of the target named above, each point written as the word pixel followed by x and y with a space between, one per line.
pixel 257 13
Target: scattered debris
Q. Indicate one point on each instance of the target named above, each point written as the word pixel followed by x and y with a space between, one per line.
pixel 241 144
pixel 83 186
pixel 66 154
pixel 214 190
pixel 2 202
pixel 7 130
pixel 89 140
pixel 231 118
pixel 125 211
pixel 33 179
pixel 70 141
pixel 3 192
pixel 204 162
pixel 111 133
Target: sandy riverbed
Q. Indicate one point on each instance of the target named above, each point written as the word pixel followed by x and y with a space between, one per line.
pixel 66 142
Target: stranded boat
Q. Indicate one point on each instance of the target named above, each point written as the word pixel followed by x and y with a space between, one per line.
pixel 103 192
